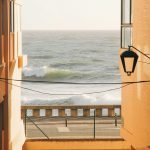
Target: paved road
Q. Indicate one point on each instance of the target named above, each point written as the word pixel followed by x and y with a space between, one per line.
pixel 76 129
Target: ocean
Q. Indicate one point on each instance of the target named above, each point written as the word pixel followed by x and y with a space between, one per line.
pixel 71 56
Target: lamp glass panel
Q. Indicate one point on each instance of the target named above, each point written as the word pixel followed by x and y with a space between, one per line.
pixel 129 64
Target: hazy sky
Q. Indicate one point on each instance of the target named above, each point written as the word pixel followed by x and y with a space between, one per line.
pixel 71 14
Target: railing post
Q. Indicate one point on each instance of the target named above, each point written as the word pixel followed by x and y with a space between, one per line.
pixel 66 121
pixel 94 124
pixel 36 112
pixel 86 112
pixel 98 112
pixel 48 112
pixel 116 120
pixel 23 113
pixel 61 112
pixel 120 111
pixel 111 112
pixel 25 121
pixel 74 112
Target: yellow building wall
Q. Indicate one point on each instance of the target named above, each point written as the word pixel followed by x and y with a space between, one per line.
pixel 136 97
pixel 10 42
pixel 17 135
pixel 76 145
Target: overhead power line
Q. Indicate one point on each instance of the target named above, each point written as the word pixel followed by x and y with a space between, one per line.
pixel 67 82
pixel 46 93
pixel 124 84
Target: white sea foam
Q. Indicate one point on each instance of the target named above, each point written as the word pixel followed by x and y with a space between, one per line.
pixel 35 71
pixel 74 100
pixel 49 73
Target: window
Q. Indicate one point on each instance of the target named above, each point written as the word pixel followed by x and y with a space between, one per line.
pixel 126 23
pixel 126 12
pixel 2 16
pixel 1 29
pixel 126 38
pixel 11 16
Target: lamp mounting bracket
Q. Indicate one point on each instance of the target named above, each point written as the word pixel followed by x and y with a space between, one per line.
pixel 138 51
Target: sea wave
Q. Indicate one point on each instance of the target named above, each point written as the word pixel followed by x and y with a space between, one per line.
pixel 75 100
pixel 48 73
pixel 56 74
pixel 41 57
pixel 106 99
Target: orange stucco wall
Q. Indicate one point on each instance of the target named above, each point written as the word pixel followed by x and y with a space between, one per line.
pixel 11 49
pixel 76 144
pixel 16 127
pixel 136 97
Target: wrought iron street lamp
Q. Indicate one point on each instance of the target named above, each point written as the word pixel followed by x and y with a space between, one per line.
pixel 129 60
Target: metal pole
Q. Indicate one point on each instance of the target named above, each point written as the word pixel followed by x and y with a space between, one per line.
pixel 38 127
pixel 94 124
pixel 116 120
pixel 25 122
pixel 66 122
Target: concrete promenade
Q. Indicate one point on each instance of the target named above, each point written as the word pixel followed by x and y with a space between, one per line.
pixel 78 128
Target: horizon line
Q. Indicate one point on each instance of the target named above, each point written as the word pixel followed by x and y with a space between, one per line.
pixel 70 29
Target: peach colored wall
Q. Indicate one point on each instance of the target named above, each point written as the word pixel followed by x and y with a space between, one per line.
pixel 17 135
pixel 14 136
pixel 74 145
pixel 136 97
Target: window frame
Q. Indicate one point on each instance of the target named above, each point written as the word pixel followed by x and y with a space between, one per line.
pixel 1 31
pixel 126 25
pixel 12 16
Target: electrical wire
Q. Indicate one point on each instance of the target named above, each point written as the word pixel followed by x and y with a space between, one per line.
pixel 78 83
pixel 98 92
pixel 140 51
pixel 144 62
pixel 29 89
pixel 113 89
